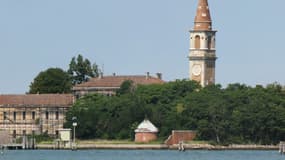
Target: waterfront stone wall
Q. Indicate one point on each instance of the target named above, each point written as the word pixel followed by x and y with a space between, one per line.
pixel 178 136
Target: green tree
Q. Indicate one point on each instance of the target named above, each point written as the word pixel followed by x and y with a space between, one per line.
pixel 126 87
pixel 52 80
pixel 81 69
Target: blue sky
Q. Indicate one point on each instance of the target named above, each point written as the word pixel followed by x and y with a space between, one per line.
pixel 138 36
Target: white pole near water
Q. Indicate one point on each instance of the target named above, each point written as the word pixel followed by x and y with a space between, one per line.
pixel 74 124
pixel 282 147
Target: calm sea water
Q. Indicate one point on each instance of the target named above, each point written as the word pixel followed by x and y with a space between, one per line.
pixel 139 155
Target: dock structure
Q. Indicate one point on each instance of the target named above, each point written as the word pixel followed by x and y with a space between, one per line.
pixel 6 142
pixel 13 146
pixel 16 146
pixel 282 147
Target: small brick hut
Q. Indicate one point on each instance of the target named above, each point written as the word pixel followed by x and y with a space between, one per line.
pixel 146 132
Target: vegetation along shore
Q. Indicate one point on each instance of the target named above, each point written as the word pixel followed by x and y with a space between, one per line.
pixel 237 114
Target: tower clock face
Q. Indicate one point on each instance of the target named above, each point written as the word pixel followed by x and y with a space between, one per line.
pixel 196 70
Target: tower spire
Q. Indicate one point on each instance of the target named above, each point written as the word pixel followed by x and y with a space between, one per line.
pixel 203 18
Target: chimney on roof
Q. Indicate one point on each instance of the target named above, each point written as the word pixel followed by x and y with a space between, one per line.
pixel 147 75
pixel 159 75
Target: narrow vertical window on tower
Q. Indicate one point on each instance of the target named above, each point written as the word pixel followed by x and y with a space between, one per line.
pixel 197 42
pixel 209 42
pixel 213 42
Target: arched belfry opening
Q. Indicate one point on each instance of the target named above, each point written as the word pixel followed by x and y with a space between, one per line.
pixel 197 42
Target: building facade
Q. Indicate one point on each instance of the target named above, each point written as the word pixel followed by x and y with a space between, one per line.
pixel 202 55
pixel 108 85
pixel 34 114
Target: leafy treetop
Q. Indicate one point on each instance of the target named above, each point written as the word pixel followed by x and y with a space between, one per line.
pixel 52 80
pixel 81 70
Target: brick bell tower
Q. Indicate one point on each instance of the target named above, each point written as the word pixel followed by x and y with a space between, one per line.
pixel 202 56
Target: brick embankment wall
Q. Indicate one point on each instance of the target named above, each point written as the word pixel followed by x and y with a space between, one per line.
pixel 180 135
pixel 123 146
pixel 109 146
pixel 230 147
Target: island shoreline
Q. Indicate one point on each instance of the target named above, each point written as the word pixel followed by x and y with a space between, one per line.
pixel 159 147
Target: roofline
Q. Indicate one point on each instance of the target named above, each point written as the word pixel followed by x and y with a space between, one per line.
pixel 183 131
pixel 202 30
pixel 137 131
pixel 45 94
pixel 36 105
pixel 91 88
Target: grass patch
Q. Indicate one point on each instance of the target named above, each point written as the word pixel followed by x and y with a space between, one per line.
pixel 46 142
pixel 103 141
pixel 127 141
pixel 196 142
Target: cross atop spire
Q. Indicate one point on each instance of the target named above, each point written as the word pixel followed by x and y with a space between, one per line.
pixel 203 18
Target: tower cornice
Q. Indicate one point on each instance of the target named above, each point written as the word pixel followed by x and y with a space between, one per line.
pixel 205 31
pixel 205 49
pixel 202 58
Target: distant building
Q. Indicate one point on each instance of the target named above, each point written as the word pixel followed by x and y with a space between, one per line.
pixel 33 113
pixel 146 132
pixel 108 85
pixel 202 55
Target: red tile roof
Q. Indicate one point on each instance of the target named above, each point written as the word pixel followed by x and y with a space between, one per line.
pixel 116 81
pixel 37 99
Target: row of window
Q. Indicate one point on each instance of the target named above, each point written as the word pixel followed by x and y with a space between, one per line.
pixel 24 133
pixel 33 132
pixel 33 114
